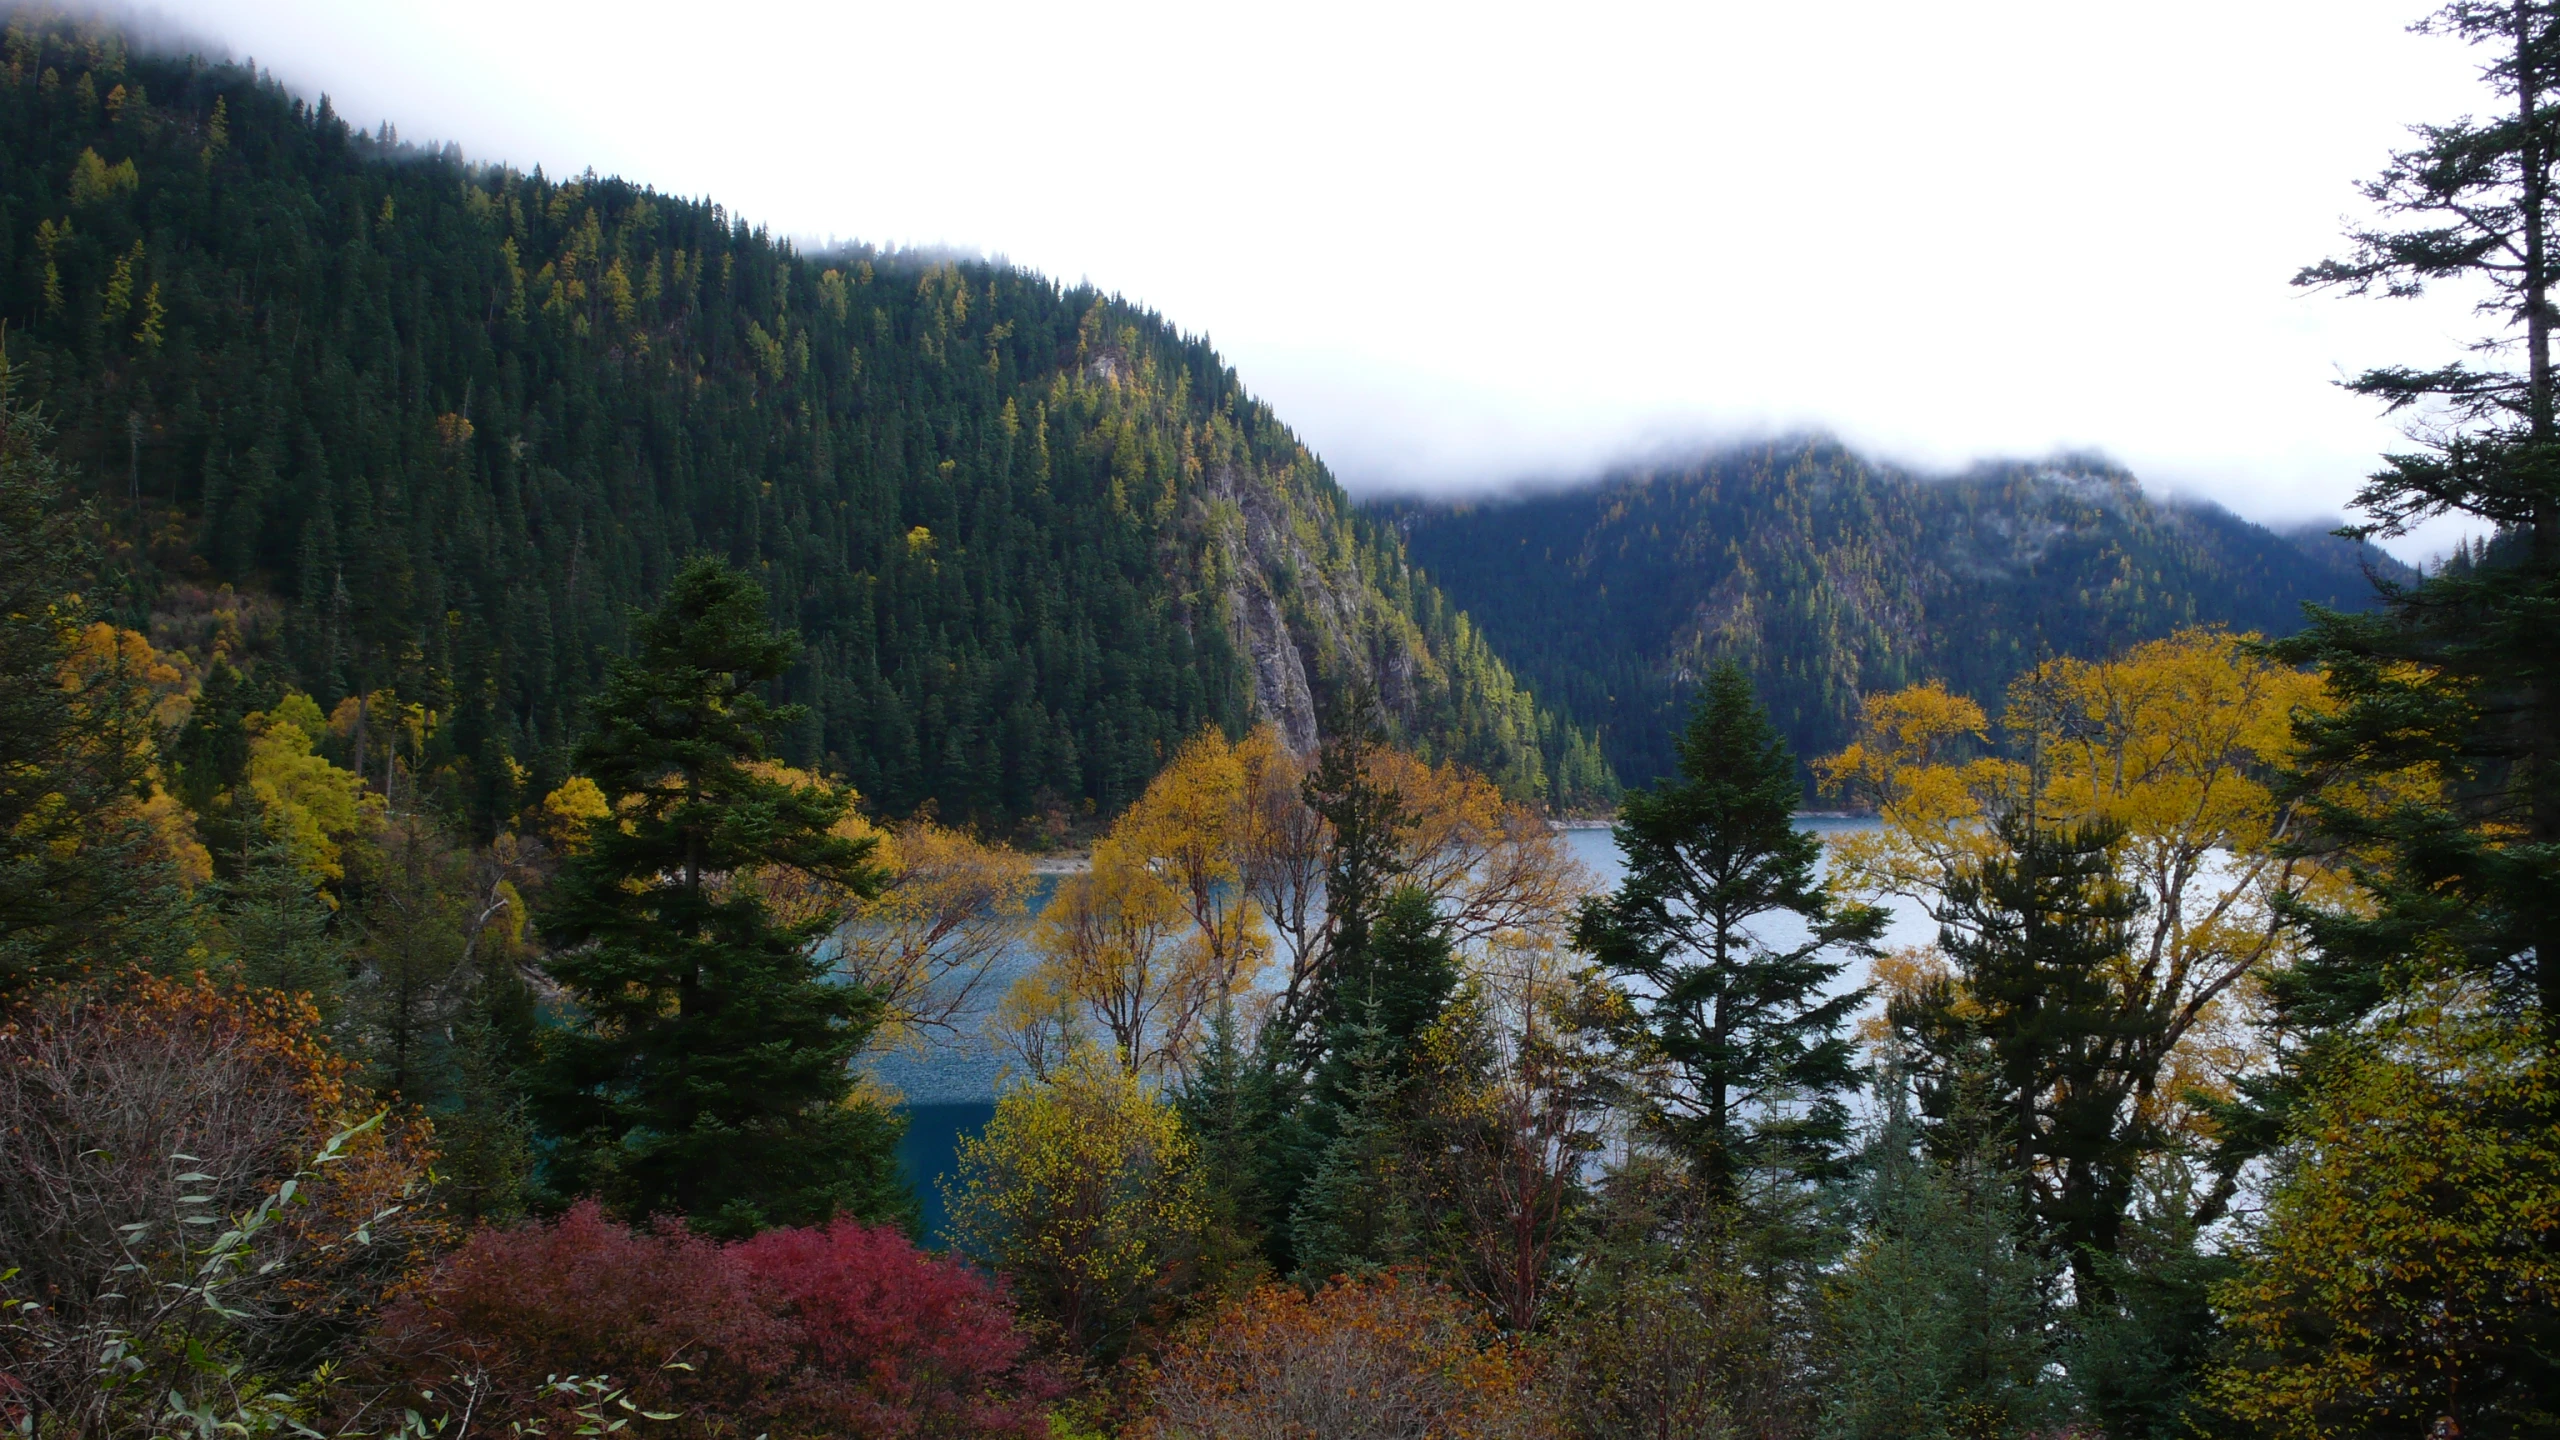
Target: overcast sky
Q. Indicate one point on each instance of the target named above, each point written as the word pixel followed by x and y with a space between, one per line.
pixel 1461 245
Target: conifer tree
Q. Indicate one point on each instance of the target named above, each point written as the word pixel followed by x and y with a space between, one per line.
pixel 1227 1105
pixel 1345 1123
pixel 1394 984
pixel 1750 1023
pixel 708 1069
pixel 280 931
pixel 2458 675
pixel 80 877
pixel 1351 1216
pixel 1939 1318
pixel 1366 822
pixel 2026 1054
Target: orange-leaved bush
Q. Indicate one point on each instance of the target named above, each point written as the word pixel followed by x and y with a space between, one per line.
pixel 1392 1357
pixel 139 1124
pixel 846 1329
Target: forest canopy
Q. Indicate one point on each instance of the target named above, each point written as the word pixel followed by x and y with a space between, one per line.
pixel 400 425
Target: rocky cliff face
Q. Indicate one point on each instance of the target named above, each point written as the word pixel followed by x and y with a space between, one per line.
pixel 1316 600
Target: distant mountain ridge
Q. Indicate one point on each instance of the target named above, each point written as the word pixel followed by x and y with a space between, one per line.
pixel 1828 575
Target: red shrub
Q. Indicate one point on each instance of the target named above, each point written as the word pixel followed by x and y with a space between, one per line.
pixel 844 1330
pixel 896 1341
pixel 586 1296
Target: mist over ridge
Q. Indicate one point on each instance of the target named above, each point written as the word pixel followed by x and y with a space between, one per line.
pixel 1829 576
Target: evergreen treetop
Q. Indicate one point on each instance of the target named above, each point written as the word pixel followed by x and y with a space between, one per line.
pixel 708 1071
pixel 2446 730
pixel 1747 1017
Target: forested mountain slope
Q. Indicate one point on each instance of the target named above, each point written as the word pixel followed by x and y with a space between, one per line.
pixel 1828 576
pixel 446 424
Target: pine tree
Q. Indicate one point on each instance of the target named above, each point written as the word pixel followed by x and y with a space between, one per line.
pixel 2459 675
pixel 708 1069
pixel 1747 1022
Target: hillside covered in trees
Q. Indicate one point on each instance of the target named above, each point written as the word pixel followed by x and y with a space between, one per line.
pixel 439 427
pixel 1828 576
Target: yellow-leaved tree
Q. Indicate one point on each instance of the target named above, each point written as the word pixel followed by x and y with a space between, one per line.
pixel 125 693
pixel 2405 1275
pixel 1115 966
pixel 1084 1193
pixel 307 804
pixel 948 907
pixel 2169 753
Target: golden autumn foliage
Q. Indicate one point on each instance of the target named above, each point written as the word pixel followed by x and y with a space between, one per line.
pixel 947 908
pixel 1113 956
pixel 310 805
pixel 1084 1191
pixel 1385 1358
pixel 2408 1263
pixel 1218 870
pixel 1493 867
pixel 1193 826
pixel 950 908
pixel 2178 742
pixel 124 693
pixel 567 811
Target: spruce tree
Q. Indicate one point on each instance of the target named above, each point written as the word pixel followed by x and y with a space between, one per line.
pixel 1335 1148
pixel 280 932
pixel 1227 1104
pixel 1352 1217
pixel 2459 673
pixel 2026 1055
pixel 1395 984
pixel 1719 885
pixel 707 1070
pixel 1939 1319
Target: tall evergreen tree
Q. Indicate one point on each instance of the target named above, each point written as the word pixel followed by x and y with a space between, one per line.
pixel 1746 1014
pixel 1365 825
pixel 2028 1044
pixel 280 931
pixel 1332 1162
pixel 1227 1104
pixel 2460 672
pixel 707 1072
pixel 1395 983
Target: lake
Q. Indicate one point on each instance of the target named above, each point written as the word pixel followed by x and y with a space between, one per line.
pixel 949 1086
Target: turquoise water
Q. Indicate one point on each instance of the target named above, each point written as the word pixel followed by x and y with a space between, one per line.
pixel 932 1142
pixel 950 1085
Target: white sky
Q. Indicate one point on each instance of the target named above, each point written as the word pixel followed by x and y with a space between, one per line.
pixel 1458 245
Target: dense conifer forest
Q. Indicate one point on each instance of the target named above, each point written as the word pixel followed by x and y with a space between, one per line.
pixel 1827 576
pixel 440 426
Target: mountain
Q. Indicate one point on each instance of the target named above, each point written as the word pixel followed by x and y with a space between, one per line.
pixel 439 427
pixel 1829 576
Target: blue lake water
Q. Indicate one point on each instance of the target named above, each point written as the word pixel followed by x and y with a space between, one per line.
pixel 949 1085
